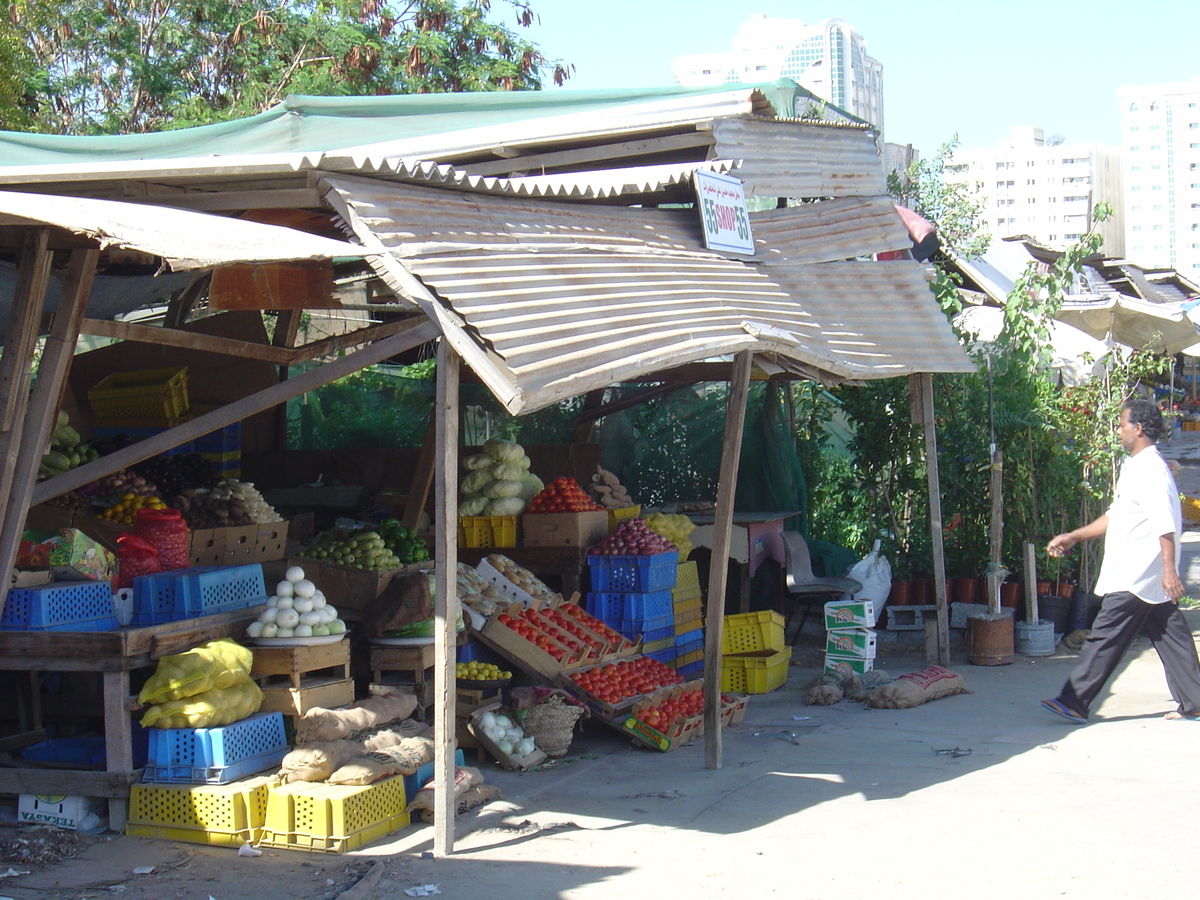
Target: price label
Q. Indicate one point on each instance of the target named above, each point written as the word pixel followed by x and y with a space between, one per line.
pixel 723 213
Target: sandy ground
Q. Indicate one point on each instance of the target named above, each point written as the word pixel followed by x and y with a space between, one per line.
pixel 984 794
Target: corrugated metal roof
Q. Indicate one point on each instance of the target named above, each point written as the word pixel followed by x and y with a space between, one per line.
pixel 186 240
pixel 551 300
pixel 801 159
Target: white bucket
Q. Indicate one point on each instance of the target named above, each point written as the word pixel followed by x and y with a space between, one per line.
pixel 1034 638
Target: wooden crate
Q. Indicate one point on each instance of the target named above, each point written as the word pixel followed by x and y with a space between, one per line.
pixel 409 666
pixel 297 679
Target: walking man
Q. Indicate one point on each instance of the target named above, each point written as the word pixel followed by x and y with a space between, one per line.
pixel 1139 578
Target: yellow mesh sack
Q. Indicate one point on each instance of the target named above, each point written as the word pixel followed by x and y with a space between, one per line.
pixel 217 664
pixel 219 706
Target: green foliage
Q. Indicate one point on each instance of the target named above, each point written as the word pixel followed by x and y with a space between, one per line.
pixel 142 65
pixel 954 207
pixel 367 409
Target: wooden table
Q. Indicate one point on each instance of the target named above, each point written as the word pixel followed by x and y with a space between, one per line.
pixel 114 654
pixel 754 538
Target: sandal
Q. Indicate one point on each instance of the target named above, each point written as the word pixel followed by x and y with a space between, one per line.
pixel 1180 717
pixel 1061 709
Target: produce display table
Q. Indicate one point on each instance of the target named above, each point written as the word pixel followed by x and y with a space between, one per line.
pixel 755 538
pixel 563 563
pixel 114 654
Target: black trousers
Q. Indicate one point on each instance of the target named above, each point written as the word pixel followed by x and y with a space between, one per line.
pixel 1122 616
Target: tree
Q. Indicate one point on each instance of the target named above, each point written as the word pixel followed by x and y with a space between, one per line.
pixel 121 66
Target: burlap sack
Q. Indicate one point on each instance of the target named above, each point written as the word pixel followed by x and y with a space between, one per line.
pixel 318 761
pixel 403 759
pixel 471 799
pixel 915 688
pixel 824 695
pixel 320 724
pixel 465 778
pixel 868 682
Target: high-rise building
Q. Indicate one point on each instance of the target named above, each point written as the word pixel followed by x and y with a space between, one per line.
pixel 829 59
pixel 1160 137
pixel 1045 188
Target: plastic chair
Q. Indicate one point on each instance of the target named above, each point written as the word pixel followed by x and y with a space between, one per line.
pixel 806 587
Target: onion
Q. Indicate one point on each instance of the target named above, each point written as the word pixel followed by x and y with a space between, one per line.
pixel 270 614
pixel 270 630
pixel 287 618
pixel 487 720
pixel 284 603
pixel 310 618
pixel 303 631
pixel 304 588
pixel 302 605
pixel 294 574
pixel 526 746
pixel 254 629
pixel 284 589
pixel 284 633
pixel 504 747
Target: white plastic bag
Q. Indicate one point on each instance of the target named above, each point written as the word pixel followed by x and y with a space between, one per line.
pixel 874 573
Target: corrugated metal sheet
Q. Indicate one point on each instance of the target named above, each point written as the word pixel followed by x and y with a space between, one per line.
pixel 186 240
pixel 409 219
pixel 552 300
pixel 797 159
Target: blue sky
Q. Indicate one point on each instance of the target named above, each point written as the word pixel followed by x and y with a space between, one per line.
pixel 975 69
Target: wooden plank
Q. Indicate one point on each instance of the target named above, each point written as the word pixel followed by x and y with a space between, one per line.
pixel 23 740
pixel 446 556
pixel 118 740
pixel 537 162
pixel 422 480
pixel 74 782
pixel 416 332
pixel 33 276
pixel 44 401
pixel 731 453
pixel 925 382
pixel 587 415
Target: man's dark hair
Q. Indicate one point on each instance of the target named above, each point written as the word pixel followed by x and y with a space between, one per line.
pixel 1145 413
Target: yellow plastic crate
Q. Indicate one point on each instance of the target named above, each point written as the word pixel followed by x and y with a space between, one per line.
pixel 759 672
pixel 1189 506
pixel 747 632
pixel 332 818
pixel 688 578
pixel 221 815
pixel 487 531
pixel 688 658
pixel 686 604
pixel 144 394
pixel 617 516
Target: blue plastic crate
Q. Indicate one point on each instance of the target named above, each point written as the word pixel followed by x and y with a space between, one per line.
pixel 76 751
pixel 216 755
pixel 140 434
pixel 201 591
pixel 415 781
pixel 60 606
pixel 649 631
pixel 690 647
pixel 640 574
pixel 691 668
pixel 630 606
pixel 224 440
pixel 690 637
pixel 666 657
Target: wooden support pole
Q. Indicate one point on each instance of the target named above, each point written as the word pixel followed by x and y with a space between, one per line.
pixel 446 567
pixel 43 406
pixel 33 276
pixel 417 333
pixel 925 384
pixel 996 532
pixel 1031 600
pixel 422 480
pixel 287 329
pixel 731 453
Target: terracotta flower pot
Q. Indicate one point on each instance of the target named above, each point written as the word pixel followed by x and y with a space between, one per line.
pixel 965 590
pixel 1010 594
pixel 1064 589
pixel 1043 588
pixel 901 594
pixel 922 591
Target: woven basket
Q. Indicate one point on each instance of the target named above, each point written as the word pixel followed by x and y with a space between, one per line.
pixel 551 723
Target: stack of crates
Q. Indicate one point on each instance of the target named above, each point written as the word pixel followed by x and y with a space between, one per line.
pixel 223 448
pixel 849 638
pixel 688 609
pixel 632 594
pixel 754 656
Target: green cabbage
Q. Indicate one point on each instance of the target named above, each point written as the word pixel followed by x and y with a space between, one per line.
pixel 505 506
pixel 503 451
pixel 477 480
pixel 497 489
pixel 508 471
pixel 472 505
pixel 478 461
pixel 531 486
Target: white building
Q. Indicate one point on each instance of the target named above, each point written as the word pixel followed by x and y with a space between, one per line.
pixel 1160 136
pixel 1045 188
pixel 829 59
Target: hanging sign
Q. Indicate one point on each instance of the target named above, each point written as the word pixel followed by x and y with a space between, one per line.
pixel 723 213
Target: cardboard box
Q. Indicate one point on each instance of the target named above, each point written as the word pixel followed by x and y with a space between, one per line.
pixel 851 642
pixel 849 614
pixel 69 553
pixel 577 529
pixel 348 588
pixel 844 665
pixel 74 813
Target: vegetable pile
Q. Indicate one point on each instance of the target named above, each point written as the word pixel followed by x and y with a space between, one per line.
pixel 388 546
pixel 675 527
pixel 666 713
pixel 616 682
pixel 562 495
pixel 506 734
pixel 229 503
pixel 66 450
pixel 297 609
pixel 565 631
pixel 499 483
pixel 633 538
pixel 608 491
pixel 477 671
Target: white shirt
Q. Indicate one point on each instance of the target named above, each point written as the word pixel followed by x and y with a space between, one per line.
pixel 1146 506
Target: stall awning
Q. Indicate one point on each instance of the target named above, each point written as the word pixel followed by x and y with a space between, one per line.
pixel 185 240
pixel 550 300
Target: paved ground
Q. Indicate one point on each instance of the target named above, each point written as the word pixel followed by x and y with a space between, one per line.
pixel 983 794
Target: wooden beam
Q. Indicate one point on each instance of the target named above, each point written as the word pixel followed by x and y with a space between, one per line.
pixel 446 565
pixel 925 387
pixel 235 201
pixel 416 331
pixel 422 480
pixel 33 277
pixel 287 330
pixel 114 785
pixel 184 302
pixel 996 532
pixel 630 400
pixel 731 454
pixel 185 340
pixel 47 393
pixel 536 162
pixel 585 426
